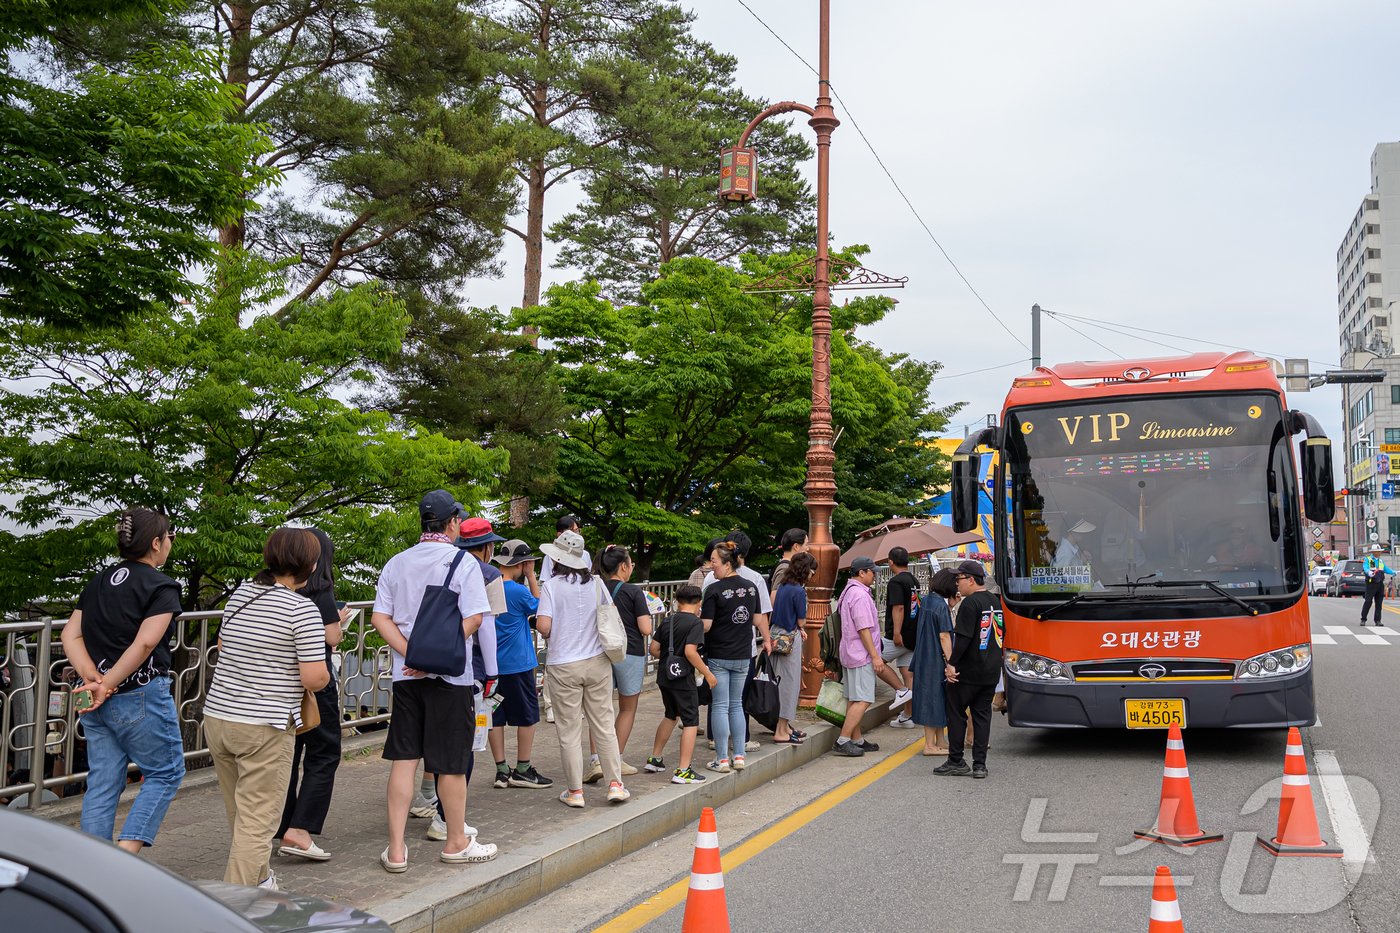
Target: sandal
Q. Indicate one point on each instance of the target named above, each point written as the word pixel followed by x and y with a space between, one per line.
pixel 790 740
pixel 798 734
pixel 393 867
pixel 312 852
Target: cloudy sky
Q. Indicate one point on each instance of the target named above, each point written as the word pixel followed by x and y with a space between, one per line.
pixel 1184 166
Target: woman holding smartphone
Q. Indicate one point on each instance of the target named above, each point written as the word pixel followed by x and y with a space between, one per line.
pixel 317 753
pixel 118 641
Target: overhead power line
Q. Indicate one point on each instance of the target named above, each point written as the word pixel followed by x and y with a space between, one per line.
pixel 1123 328
pixel 890 175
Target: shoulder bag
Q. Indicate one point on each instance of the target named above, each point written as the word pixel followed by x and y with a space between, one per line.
pixel 437 645
pixel 761 694
pixel 610 630
pixel 308 715
pixel 672 670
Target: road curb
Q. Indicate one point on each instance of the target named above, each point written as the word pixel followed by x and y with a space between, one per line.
pixel 487 892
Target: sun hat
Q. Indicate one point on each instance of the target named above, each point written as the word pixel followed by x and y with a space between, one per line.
pixel 1084 527
pixel 476 532
pixel 513 552
pixel 567 551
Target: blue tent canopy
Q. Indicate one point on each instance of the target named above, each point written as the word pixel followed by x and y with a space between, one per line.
pixel 940 509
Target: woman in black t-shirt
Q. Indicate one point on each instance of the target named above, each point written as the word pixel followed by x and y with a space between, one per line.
pixel 118 641
pixel 616 565
pixel 317 752
pixel 729 611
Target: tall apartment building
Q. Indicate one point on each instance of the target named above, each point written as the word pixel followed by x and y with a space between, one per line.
pixel 1368 302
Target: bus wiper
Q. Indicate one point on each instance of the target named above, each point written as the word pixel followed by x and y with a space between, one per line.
pixel 1077 597
pixel 1210 584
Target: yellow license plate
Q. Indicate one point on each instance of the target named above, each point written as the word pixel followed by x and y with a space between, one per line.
pixel 1154 714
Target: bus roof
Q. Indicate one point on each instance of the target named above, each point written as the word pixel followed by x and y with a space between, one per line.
pixel 1197 372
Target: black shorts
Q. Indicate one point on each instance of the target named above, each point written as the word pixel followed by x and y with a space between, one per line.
pixel 681 703
pixel 520 704
pixel 433 720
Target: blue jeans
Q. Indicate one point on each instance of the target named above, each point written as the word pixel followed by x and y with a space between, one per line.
pixel 728 702
pixel 137 726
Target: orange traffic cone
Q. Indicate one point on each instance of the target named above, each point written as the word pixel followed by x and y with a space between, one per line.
pixel 1297 820
pixel 705 910
pixel 1165 915
pixel 1176 815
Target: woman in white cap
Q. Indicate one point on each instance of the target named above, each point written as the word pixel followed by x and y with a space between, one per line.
pixel 578 672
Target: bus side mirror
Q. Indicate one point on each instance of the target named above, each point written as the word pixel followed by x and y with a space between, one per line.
pixel 967 474
pixel 1319 502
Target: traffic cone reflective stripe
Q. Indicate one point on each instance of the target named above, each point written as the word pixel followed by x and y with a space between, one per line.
pixel 1176 814
pixel 1165 914
pixel 705 908
pixel 1298 833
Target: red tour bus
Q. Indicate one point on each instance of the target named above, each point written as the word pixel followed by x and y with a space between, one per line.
pixel 1149 548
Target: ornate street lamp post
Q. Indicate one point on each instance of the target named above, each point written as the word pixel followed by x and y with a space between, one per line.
pixel 738 182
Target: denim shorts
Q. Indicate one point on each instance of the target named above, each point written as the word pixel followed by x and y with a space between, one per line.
pixel 628 674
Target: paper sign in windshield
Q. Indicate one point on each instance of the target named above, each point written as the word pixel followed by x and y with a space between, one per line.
pixel 1061 579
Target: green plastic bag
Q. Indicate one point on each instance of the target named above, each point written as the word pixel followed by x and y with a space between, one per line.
pixel 831 703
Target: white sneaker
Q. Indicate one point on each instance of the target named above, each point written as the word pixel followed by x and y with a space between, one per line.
pixel 751 746
pixel 270 882
pixel 902 723
pixel 901 697
pixel 617 793
pixel 572 800
pixel 628 770
pixel 594 772
pixel 438 831
pixel 425 808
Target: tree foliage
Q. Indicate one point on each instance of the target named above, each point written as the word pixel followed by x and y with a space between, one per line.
pixel 110 182
pixel 229 429
pixel 693 409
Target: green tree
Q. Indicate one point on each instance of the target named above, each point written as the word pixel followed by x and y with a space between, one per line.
pixel 693 408
pixel 110 183
pixel 230 429
pixel 382 113
pixel 464 373
pixel 650 197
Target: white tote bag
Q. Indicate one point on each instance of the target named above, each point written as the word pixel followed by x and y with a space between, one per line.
pixel 610 630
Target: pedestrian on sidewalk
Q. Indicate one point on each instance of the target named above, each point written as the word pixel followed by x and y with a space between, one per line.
pixel 731 613
pixel 741 545
pixel 931 649
pixel 1376 571
pixel 316 755
pixel 515 660
pixel 901 617
pixel 861 663
pixel 272 648
pixel 676 645
pixel 479 539
pixel 631 603
pixel 118 641
pixel 793 542
pixel 578 671
pixel 972 670
pixel 789 612
pixel 562 524
pixel 434 714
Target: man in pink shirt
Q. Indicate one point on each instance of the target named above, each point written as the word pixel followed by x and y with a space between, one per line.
pixel 860 658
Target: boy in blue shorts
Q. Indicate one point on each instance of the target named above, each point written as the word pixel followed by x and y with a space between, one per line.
pixel 676 643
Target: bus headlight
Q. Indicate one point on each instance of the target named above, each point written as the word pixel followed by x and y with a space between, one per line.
pixel 1028 666
pixel 1275 663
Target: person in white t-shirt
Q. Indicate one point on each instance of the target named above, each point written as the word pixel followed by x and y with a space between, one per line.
pixel 562 524
pixel 578 671
pixel 433 714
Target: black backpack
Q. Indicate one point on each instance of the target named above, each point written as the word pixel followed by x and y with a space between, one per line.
pixel 831 641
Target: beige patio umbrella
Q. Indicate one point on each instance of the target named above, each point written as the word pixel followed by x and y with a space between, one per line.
pixel 916 535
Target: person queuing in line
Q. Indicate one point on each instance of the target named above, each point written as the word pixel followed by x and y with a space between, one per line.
pixel 861 663
pixel 616 564
pixel 316 755
pixel 515 663
pixel 1376 571
pixel 972 669
pixel 562 524
pixel 479 539
pixel 118 641
pixel 789 612
pixel 901 609
pixel 272 647
pixel 577 669
pixel 741 545
pixel 434 714
pixel 731 613
pixel 793 542
pixel 931 649
pixel 676 642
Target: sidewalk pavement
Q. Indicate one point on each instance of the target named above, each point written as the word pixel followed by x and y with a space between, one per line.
pixel 543 844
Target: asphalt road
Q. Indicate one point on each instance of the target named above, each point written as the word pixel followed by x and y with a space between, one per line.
pixel 1046 843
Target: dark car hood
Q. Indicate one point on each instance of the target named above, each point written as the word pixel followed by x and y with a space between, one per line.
pixel 285 912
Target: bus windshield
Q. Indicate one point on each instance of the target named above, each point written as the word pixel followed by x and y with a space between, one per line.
pixel 1166 494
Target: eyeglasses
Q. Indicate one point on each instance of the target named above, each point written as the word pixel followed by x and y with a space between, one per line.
pixel 171 534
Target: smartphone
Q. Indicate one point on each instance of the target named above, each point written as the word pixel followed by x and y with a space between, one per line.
pixel 341 604
pixel 82 701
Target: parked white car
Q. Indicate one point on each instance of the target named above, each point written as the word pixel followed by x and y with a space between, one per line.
pixel 1317 581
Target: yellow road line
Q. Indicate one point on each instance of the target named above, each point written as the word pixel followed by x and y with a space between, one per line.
pixel 1391 609
pixel 658 904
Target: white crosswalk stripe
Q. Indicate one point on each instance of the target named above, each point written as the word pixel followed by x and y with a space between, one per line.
pixel 1343 634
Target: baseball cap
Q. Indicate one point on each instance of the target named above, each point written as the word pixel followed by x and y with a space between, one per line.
pixel 973 568
pixel 862 563
pixel 476 532
pixel 513 552
pixel 439 505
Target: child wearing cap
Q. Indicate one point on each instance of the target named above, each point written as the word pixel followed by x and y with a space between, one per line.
pixel 516 662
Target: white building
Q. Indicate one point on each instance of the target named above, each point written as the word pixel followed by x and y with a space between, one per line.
pixel 1368 301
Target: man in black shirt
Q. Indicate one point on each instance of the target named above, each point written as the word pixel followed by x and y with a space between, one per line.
pixel 901 607
pixel 972 670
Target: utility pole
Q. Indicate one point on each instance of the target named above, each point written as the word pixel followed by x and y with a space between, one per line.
pixel 1035 336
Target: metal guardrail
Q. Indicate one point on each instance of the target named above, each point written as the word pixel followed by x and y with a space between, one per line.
pixel 362 673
